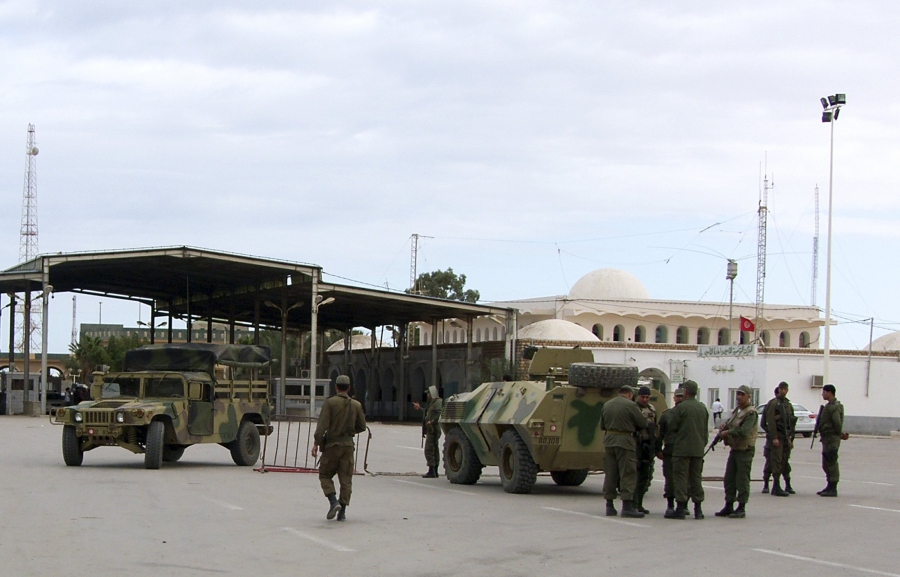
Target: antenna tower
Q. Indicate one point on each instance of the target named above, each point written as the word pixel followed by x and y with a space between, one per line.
pixel 815 253
pixel 413 262
pixel 74 331
pixel 28 245
pixel 761 251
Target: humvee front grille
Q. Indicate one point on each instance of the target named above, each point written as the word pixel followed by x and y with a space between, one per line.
pixel 97 417
pixel 453 411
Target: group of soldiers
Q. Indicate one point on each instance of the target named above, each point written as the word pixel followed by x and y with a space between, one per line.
pixel 679 437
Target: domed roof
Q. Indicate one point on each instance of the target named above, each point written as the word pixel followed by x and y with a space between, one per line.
pixel 888 342
pixel 608 284
pixel 556 330
pixel 357 342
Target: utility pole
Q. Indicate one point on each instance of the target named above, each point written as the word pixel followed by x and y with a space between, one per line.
pixel 761 253
pixel 730 275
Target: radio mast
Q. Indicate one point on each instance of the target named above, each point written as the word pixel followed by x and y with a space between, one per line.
pixel 28 246
pixel 761 252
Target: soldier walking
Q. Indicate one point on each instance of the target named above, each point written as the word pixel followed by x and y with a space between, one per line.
pixel 667 438
pixel 431 431
pixel 646 449
pixel 830 426
pixel 690 424
pixel 779 426
pixel 340 420
pixel 621 420
pixel 739 433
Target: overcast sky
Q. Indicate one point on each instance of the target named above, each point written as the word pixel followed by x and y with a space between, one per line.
pixel 534 141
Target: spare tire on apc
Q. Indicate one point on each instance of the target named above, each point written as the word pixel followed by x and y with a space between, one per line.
pixel 602 375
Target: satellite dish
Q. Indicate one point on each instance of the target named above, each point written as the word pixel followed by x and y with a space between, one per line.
pixel 33 151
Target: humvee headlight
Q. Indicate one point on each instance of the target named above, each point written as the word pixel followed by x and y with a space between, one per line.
pixel 78 417
pixel 138 413
pixel 120 417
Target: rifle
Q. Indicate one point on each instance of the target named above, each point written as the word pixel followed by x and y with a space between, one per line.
pixel 716 441
pixel 812 443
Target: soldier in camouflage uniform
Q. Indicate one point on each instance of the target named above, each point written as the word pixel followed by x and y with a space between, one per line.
pixel 690 424
pixel 739 433
pixel 340 420
pixel 830 426
pixel 621 420
pixel 779 426
pixel 666 442
pixel 431 431
pixel 646 449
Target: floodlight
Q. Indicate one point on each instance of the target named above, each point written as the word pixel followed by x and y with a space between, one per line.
pixel 832 100
pixel 826 116
pixel 840 98
pixel 824 102
pixel 837 111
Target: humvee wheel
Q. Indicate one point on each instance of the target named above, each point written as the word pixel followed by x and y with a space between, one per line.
pixel 153 450
pixel 245 449
pixel 602 375
pixel 518 471
pixel 71 446
pixel 569 478
pixel 171 453
pixel 461 464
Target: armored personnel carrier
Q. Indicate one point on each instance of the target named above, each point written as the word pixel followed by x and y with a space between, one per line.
pixel 168 398
pixel 547 423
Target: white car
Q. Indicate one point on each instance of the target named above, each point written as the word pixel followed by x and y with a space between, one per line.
pixel 806 419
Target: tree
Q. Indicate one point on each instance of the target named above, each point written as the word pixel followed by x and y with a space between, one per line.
pixel 89 353
pixel 445 284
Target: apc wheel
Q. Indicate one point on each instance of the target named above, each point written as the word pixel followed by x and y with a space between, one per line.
pixel 71 447
pixel 461 464
pixel 518 471
pixel 569 478
pixel 602 375
pixel 171 453
pixel 153 450
pixel 245 449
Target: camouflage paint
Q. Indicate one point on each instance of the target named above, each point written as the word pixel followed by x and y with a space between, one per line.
pixel 586 420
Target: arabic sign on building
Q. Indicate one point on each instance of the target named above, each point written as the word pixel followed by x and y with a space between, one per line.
pixel 676 371
pixel 704 351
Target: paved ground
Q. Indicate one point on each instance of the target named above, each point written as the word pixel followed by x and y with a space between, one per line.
pixel 206 516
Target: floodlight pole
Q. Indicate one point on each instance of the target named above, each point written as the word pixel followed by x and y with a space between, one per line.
pixel 832 108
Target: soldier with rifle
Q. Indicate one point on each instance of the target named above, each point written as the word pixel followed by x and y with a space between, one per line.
pixel 431 431
pixel 739 433
pixel 666 442
pixel 830 427
pixel 779 423
pixel 646 449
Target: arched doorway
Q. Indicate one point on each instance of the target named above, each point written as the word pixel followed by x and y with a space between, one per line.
pixel 360 390
pixel 661 381
pixel 417 385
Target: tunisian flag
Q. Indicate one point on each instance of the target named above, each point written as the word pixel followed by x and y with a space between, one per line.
pixel 747 325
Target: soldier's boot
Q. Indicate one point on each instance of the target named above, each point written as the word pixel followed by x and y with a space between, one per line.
pixel 787 486
pixel 829 491
pixel 638 503
pixel 431 474
pixel 670 507
pixel 765 490
pixel 698 511
pixel 628 510
pixel 827 487
pixel 333 506
pixel 680 511
pixel 777 490
pixel 611 508
pixel 727 510
pixel 342 514
pixel 738 513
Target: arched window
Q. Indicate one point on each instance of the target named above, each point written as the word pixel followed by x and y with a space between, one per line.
pixel 598 331
pixel 619 333
pixel 477 335
pixel 425 338
pixel 746 337
pixel 764 336
pixel 681 336
pixel 703 336
pixel 446 337
pixel 495 333
pixel 784 340
pixel 640 334
pixel 455 335
pixel 662 334
pixel 724 337
pixel 463 335
pixel 804 340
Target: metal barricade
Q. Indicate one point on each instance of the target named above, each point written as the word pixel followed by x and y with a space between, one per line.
pixel 291 441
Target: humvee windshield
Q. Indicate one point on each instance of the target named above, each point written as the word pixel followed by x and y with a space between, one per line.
pixel 116 387
pixel 164 387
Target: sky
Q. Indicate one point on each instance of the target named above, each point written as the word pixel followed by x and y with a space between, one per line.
pixel 528 142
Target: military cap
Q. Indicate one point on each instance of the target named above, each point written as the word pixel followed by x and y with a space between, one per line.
pixel 626 389
pixel 343 381
pixel 745 389
pixel 679 392
pixel 644 390
pixel 690 387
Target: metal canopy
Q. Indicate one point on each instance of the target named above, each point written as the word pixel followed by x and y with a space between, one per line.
pixel 205 284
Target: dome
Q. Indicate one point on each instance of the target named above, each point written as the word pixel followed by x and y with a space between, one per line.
pixel 556 330
pixel 888 342
pixel 356 342
pixel 608 284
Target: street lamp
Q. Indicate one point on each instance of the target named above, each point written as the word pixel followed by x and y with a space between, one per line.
pixel 730 275
pixel 279 396
pixel 831 106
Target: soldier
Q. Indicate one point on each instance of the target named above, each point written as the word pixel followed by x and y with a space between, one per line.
pixel 646 449
pixel 621 419
pixel 340 420
pixel 665 455
pixel 739 433
pixel 690 424
pixel 767 469
pixel 830 426
pixel 431 431
pixel 779 426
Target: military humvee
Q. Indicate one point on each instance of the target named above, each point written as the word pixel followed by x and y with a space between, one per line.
pixel 549 423
pixel 168 398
